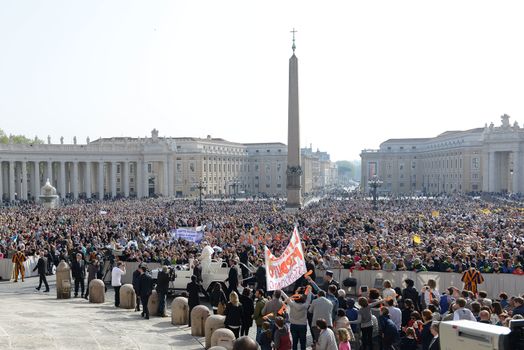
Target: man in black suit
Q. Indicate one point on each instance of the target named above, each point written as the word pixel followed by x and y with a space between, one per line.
pixel 435 342
pixel 244 259
pixel 136 278
pixel 41 267
pixel 78 271
pixel 197 270
pixel 145 289
pixel 260 276
pixel 193 290
pixel 329 280
pixel 232 277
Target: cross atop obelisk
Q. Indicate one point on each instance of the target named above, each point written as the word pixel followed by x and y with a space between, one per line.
pixel 294 170
pixel 293 46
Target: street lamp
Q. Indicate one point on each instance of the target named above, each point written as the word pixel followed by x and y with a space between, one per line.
pixel 375 183
pixel 200 186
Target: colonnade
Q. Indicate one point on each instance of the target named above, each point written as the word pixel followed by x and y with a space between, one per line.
pixel 23 179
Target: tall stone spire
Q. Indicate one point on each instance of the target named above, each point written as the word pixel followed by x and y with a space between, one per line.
pixel 294 169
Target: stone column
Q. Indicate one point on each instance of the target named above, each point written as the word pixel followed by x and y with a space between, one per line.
pixel 63 187
pixel 124 178
pixel 171 177
pixel 294 170
pixel 36 177
pixel 165 189
pixel 23 188
pixel 1 182
pixel 516 172
pixel 492 172
pixel 113 179
pixel 145 179
pixel 138 179
pixel 100 181
pixel 88 179
pixel 50 171
pixel 11 180
pixel 75 179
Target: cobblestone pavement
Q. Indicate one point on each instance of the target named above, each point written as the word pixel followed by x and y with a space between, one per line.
pixel 37 320
pixel 32 319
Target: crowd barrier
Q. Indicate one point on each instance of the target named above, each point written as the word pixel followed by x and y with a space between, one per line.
pixel 493 284
pixel 6 268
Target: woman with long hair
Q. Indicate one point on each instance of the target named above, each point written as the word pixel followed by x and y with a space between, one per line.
pixel 233 313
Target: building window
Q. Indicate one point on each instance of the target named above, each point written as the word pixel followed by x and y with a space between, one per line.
pixel 279 185
pixel 192 167
pixel 401 184
pixel 118 168
pixel 149 167
pixel 267 186
pixel 179 167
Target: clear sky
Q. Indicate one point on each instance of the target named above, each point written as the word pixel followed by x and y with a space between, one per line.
pixel 369 70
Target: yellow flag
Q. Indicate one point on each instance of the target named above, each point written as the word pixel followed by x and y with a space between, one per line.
pixel 435 213
pixel 274 209
pixel 416 239
pixel 485 211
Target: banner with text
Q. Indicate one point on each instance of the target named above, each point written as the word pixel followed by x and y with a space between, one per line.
pixel 287 268
pixel 187 234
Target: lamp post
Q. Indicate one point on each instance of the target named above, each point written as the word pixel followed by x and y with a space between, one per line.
pixel 375 183
pixel 201 186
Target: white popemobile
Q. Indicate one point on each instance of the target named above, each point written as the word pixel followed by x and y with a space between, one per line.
pixel 213 271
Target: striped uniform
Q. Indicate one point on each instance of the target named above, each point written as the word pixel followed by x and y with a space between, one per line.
pixel 471 278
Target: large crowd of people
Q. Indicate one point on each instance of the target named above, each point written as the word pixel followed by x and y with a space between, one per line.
pixel 449 234
pixel 446 234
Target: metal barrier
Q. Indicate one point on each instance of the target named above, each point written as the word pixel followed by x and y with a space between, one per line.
pixel 493 284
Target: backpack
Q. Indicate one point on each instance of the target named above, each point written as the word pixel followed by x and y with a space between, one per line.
pixel 285 342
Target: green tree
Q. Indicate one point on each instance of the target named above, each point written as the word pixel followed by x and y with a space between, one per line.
pixel 18 139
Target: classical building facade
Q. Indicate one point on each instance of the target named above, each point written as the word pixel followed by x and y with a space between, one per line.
pixel 143 167
pixel 489 159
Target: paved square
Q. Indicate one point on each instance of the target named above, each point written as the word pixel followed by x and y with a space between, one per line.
pixel 37 320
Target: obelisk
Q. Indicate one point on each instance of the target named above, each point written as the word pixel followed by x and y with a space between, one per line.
pixel 294 170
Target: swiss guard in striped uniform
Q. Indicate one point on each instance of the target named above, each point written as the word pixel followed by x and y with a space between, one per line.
pixel 471 278
pixel 18 261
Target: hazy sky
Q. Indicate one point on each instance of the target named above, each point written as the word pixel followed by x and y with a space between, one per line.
pixel 368 70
